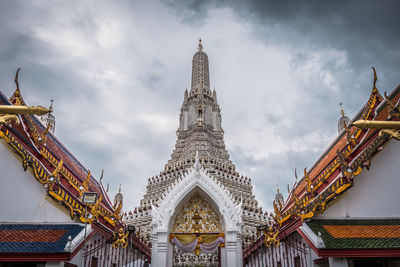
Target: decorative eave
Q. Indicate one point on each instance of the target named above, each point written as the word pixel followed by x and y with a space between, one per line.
pixel 352 240
pixel 56 168
pixel 334 172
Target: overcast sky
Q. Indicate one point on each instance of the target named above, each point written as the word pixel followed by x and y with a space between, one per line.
pixel 117 71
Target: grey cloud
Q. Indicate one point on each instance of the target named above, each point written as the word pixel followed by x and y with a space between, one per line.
pixel 363 33
pixel 276 168
pixel 366 30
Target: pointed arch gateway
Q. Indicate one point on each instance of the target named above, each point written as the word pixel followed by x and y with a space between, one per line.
pixel 224 217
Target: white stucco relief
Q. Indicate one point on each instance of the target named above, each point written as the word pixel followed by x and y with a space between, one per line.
pixel 197 177
pixel 197 180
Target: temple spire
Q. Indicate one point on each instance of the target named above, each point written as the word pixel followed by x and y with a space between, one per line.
pixel 200 72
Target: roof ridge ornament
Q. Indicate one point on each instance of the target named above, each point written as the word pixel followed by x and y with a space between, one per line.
pixel 374 89
pixel 17 90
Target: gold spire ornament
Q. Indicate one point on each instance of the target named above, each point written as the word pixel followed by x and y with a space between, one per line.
pixel 200 45
pixel 341 109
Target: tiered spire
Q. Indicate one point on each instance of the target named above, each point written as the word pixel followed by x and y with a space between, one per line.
pixel 200 72
pixel 200 121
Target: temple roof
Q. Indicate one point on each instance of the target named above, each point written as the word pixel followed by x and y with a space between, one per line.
pixel 36 238
pixel 348 155
pixel 55 167
pixel 357 233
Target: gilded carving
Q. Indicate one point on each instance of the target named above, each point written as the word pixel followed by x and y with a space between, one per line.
pixel 208 220
pixel 120 238
pixel 85 185
pixel 271 237
pixel 54 190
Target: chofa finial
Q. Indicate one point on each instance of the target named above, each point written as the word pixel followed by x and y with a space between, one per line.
pixel 16 80
pixel 200 45
pixel 374 89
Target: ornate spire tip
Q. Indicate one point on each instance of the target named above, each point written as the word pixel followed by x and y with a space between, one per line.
pixel 341 109
pixel 200 45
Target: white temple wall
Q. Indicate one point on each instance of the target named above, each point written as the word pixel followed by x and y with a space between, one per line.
pixel 375 192
pixel 23 196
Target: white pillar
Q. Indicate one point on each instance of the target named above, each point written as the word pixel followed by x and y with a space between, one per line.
pixel 159 258
pixel 338 262
pixel 223 256
pixel 154 249
pixel 233 249
pixel 54 264
pixel 170 254
pixel 239 252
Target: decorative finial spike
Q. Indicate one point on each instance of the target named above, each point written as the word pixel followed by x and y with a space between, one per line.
pixel 102 173
pixel 200 45
pixel 374 89
pixel 16 80
pixel 277 188
pixel 119 190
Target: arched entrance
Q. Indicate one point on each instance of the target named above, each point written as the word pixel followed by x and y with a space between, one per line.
pixel 197 234
pixel 170 217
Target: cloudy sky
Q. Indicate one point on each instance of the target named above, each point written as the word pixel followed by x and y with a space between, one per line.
pixel 117 71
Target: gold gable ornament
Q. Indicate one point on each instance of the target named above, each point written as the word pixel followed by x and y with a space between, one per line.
pixel 271 237
pixel 120 238
pixel 187 222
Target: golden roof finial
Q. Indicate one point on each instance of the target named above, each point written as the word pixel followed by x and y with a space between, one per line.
pixel 200 45
pixel 277 188
pixel 16 82
pixel 374 89
pixel 341 109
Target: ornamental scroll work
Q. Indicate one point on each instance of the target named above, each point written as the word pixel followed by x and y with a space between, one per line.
pixel 210 222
